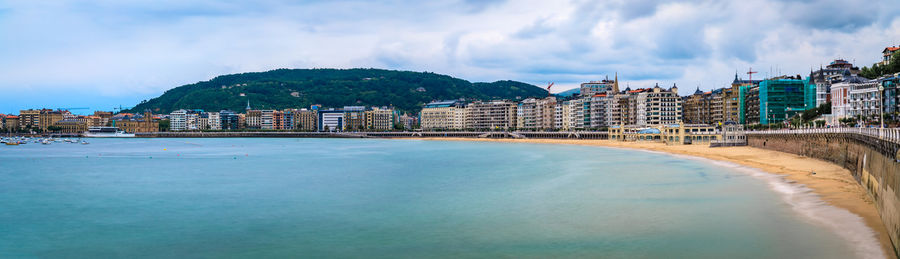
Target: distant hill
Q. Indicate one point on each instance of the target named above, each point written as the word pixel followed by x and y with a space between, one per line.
pixel 569 93
pixel 299 88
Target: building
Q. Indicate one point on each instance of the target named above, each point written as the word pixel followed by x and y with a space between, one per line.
pixel 536 114
pixel 331 120
pixel 203 121
pixel 492 115
pixel 733 100
pixel 443 115
pixel 573 114
pixel 380 119
pixel 696 107
pixel 712 107
pixel 776 100
pixel 306 120
pixel 408 122
pixel 288 119
pixel 887 53
pixel 50 117
pixel 260 119
pixel 71 125
pixel 214 121
pixel 657 106
pixel 672 134
pixel 229 120
pixel 891 96
pixel 732 135
pixel 603 110
pixel 267 119
pixel 104 117
pixel 182 120
pixel 253 119
pixel 30 119
pixel 864 100
pixel 840 102
pixel 823 78
pixel 178 120
pixel 138 123
pixel 600 87
pixel 354 118
pixel 11 123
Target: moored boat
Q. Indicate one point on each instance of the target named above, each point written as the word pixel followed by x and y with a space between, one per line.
pixel 107 132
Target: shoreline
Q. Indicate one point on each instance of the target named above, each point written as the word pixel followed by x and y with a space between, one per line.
pixel 831 183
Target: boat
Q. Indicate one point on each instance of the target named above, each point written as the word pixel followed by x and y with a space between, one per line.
pixel 107 132
pixel 84 142
pixel 12 143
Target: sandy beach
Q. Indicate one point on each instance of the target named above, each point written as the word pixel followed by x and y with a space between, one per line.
pixel 831 182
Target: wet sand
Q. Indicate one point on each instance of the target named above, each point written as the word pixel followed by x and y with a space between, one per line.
pixel 832 183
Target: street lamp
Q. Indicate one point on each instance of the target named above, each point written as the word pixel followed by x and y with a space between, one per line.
pixel 880 103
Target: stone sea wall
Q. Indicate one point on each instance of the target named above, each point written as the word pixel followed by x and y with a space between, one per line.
pixel 872 161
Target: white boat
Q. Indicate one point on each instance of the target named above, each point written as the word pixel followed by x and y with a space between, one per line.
pixel 107 132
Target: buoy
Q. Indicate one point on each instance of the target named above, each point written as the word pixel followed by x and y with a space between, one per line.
pixel 164 149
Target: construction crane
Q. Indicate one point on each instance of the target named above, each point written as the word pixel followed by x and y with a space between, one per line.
pixel 548 89
pixel 751 72
pixel 120 108
pixel 69 109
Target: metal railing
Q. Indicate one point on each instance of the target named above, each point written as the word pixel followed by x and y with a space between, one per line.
pixel 888 134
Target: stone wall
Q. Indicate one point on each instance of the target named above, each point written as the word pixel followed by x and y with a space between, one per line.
pixel 873 163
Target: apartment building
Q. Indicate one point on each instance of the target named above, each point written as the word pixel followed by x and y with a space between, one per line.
pixel 491 115
pixel 379 118
pixel 443 115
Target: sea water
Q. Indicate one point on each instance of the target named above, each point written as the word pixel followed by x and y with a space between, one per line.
pixel 314 198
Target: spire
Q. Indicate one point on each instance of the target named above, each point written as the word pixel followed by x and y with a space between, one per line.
pixel 248 104
pixel 616 83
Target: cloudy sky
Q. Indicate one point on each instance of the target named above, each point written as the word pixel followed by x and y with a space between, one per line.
pixel 104 53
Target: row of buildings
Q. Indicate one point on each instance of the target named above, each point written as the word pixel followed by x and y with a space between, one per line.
pixel 63 121
pixel 597 105
pixel 604 107
pixel 316 118
pixel 601 104
pixel 852 98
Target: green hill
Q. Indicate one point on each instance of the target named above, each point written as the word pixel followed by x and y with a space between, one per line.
pixel 299 88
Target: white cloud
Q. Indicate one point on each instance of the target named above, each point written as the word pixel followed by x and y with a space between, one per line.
pixel 117 48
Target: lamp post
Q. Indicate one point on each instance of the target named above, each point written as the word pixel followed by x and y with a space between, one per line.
pixel 880 104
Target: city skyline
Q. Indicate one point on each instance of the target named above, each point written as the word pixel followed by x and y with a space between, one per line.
pixel 105 54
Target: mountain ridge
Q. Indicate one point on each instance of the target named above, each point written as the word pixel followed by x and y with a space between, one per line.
pixel 299 88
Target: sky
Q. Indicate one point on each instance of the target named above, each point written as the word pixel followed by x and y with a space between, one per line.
pixel 103 54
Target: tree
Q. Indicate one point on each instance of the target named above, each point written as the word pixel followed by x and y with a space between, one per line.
pixel 164 125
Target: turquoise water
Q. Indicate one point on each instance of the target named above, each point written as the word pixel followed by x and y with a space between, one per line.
pixel 313 198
